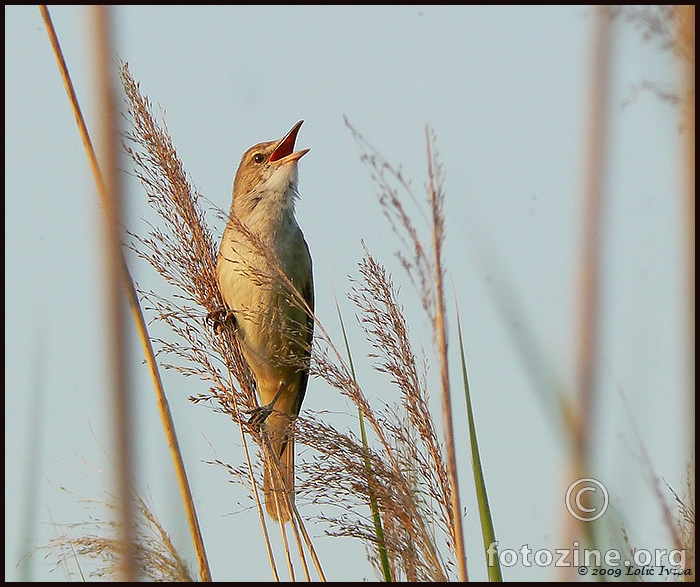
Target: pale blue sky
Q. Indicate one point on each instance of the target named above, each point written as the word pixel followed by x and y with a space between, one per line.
pixel 504 89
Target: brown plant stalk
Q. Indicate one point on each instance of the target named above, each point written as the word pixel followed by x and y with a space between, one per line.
pixel 137 314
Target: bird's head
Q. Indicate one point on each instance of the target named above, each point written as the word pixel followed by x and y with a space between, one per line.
pixel 269 167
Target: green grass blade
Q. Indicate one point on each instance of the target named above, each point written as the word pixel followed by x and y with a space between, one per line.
pixel 374 506
pixel 487 531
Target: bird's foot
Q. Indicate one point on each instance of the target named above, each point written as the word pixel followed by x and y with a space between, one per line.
pixel 259 415
pixel 219 318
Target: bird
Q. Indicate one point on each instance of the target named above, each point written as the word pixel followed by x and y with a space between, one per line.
pixel 265 276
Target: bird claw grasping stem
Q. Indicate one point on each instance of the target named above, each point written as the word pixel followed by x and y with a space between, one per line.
pixel 260 414
pixel 220 317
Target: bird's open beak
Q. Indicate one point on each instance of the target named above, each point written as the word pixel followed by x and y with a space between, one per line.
pixel 285 148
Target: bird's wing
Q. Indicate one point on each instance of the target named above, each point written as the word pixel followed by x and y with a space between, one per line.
pixel 308 294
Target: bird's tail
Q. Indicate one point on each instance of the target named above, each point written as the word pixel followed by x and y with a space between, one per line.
pixel 278 481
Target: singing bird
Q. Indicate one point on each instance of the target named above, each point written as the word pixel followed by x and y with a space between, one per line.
pixel 266 280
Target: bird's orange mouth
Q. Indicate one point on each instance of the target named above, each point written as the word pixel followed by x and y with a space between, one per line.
pixel 285 149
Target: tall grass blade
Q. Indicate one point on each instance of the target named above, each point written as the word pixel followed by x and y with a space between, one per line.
pixel 487 530
pixel 373 504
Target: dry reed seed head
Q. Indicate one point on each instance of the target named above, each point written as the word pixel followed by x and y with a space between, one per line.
pixel 344 463
pixel 420 268
pixel 384 323
pixel 185 255
pixel 156 557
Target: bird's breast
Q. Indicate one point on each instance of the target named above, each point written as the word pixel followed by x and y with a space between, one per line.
pixel 256 285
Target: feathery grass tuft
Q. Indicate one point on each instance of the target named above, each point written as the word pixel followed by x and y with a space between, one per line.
pixel 155 556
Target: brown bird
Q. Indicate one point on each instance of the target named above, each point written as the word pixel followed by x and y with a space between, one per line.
pixel 265 277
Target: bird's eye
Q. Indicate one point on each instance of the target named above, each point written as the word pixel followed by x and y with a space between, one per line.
pixel 258 158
